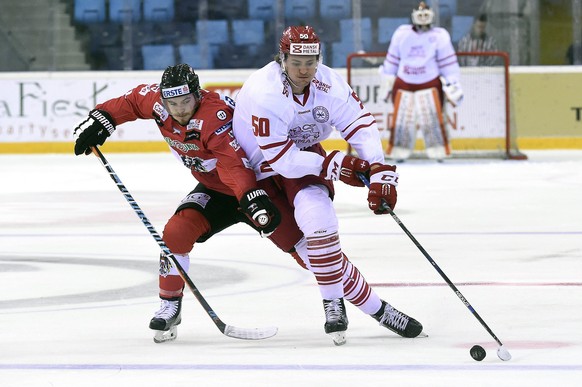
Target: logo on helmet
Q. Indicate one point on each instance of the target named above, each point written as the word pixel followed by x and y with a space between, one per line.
pixel 175 91
pixel 304 49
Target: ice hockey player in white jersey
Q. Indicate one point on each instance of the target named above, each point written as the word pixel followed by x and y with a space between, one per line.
pixel 283 112
pixel 420 69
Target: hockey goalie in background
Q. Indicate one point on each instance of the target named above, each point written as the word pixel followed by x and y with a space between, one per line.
pixel 420 69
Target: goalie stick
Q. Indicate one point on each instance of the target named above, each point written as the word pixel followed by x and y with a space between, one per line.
pixel 228 330
pixel 502 353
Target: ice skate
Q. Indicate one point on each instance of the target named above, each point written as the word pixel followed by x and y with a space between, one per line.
pixel 336 320
pixel 166 320
pixel 398 322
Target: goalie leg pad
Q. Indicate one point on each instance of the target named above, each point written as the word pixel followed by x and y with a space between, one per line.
pixel 403 128
pixel 430 120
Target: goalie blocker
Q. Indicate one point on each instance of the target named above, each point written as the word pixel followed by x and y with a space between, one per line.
pixel 418 110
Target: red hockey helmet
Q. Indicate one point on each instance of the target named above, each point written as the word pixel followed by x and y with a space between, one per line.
pixel 299 40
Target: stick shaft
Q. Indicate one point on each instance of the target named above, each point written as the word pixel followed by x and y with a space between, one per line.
pixel 217 321
pixel 436 267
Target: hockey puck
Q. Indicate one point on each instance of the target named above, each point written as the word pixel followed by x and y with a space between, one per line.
pixel 477 352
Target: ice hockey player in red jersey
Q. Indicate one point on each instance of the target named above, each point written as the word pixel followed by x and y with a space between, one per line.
pixel 197 125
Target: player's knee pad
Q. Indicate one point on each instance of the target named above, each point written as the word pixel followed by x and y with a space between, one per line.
pixel 314 210
pixel 183 230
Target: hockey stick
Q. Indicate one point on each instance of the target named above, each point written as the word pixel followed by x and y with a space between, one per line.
pixel 228 330
pixel 502 353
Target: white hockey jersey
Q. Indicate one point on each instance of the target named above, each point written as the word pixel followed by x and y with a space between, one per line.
pixel 419 57
pixel 272 125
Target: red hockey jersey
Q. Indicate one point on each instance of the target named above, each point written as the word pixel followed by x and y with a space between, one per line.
pixel 206 145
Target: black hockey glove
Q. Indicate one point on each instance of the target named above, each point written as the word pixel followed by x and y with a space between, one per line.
pixel 93 131
pixel 261 210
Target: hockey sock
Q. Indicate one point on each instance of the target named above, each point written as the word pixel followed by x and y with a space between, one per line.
pixel 180 234
pixel 358 291
pixel 326 261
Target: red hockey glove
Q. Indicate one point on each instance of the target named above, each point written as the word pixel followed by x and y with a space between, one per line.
pixel 261 210
pixel 339 166
pixel 383 182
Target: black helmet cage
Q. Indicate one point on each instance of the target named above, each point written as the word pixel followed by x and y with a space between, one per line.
pixel 180 75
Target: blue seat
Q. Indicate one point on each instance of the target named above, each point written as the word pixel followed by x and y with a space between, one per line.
pixel 248 31
pixel 157 56
pixel 347 28
pixel 340 52
pixel 89 11
pixel 212 32
pixel 262 9
pixel 227 9
pixel 387 26
pixel 193 55
pixel 300 10
pixel 448 7
pixel 103 35
pixel 124 10
pixel 394 8
pixel 186 11
pixel 460 25
pixel 158 10
pixel 335 9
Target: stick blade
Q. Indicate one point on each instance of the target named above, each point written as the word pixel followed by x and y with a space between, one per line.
pixel 250 333
pixel 503 353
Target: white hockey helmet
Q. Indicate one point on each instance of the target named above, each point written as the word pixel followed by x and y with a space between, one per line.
pixel 422 16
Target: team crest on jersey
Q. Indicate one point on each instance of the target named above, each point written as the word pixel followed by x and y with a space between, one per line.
pixel 304 135
pixel 416 52
pixel 221 115
pixel 320 114
pixel 195 124
pixel 160 111
pixel 195 163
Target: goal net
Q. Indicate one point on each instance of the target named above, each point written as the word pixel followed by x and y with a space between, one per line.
pixel 480 127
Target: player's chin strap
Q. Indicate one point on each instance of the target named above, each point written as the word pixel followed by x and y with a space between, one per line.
pixel 287 75
pixel 228 330
pixel 502 353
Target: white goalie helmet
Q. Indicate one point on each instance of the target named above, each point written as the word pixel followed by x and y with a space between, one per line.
pixel 422 16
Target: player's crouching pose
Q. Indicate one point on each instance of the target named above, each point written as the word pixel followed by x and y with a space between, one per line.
pixel 284 111
pixel 197 126
pixel 418 55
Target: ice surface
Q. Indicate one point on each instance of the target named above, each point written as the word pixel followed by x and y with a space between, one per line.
pixel 78 280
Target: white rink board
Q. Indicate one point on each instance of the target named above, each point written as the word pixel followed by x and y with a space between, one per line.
pixel 481 115
pixel 46 106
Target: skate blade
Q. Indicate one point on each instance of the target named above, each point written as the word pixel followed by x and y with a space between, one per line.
pixel 339 338
pixel 164 336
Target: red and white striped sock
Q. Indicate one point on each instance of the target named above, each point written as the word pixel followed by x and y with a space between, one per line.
pixel 326 261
